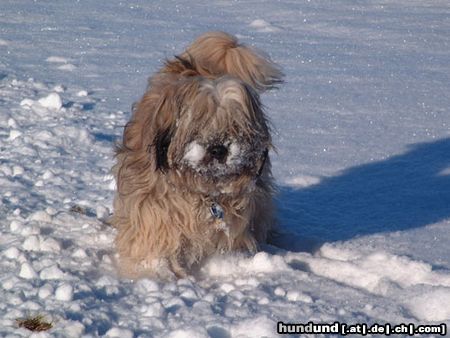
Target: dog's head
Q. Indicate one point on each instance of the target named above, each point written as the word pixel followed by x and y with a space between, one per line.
pixel 210 136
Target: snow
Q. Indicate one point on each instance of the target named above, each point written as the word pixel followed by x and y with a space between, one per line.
pixel 361 130
pixel 13 134
pixel 27 271
pixel 194 153
pixel 263 26
pixel 52 101
pixel 68 67
pixel 238 265
pixel 116 332
pixel 82 93
pixel 45 291
pixel 56 59
pixel 51 272
pixel 234 154
pixel 64 292
pixel 428 306
pixel 188 333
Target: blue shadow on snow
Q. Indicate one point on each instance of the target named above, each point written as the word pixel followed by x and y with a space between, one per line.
pixel 402 192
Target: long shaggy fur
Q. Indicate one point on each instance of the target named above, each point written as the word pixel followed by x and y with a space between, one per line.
pixel 169 169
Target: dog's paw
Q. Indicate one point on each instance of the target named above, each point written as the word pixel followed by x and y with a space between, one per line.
pixel 159 268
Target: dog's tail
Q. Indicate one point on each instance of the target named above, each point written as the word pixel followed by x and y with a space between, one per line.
pixel 215 54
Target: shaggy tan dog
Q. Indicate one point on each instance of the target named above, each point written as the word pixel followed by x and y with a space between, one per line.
pixel 193 174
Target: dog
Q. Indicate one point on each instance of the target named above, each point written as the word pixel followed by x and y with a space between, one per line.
pixel 193 172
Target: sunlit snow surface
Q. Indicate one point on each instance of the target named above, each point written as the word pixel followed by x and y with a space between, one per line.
pixel 361 128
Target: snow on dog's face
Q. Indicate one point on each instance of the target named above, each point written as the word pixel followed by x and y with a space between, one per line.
pixel 219 139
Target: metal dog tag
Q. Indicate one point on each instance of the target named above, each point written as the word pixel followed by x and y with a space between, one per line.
pixel 217 211
pixel 219 215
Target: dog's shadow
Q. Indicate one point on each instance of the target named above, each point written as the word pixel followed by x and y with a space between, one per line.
pixel 402 192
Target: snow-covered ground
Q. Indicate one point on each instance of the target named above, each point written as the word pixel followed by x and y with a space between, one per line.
pixel 363 166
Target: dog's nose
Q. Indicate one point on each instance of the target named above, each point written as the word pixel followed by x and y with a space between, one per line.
pixel 218 152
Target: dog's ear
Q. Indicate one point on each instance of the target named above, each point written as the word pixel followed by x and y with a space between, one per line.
pixel 132 138
pixel 152 124
pixel 160 147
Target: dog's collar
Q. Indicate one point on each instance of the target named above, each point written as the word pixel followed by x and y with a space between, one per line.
pixel 215 209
